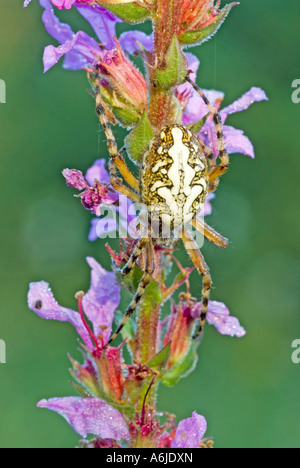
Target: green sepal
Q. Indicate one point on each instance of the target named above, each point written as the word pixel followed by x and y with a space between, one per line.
pixel 129 331
pixel 83 393
pixel 195 127
pixel 128 118
pixel 175 69
pixel 130 281
pixel 183 368
pixel 152 296
pixel 160 361
pixel 128 12
pixel 138 140
pixel 197 37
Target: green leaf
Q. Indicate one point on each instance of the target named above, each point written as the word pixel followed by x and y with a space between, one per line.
pixel 160 361
pixel 138 140
pixel 195 127
pixel 183 368
pixel 128 12
pixel 175 69
pixel 197 37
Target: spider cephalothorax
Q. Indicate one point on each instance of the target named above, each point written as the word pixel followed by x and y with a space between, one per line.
pixel 178 171
pixel 174 179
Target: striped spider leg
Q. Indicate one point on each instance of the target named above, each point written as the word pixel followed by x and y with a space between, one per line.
pixel 117 162
pixel 143 245
pixel 116 158
pixel 223 155
pixel 213 179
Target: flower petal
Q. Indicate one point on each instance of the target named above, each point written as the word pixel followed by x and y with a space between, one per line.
pixel 185 91
pixel 102 299
pixel 80 49
pixel 219 316
pixel 63 3
pixel 196 109
pixel 253 95
pixel 134 41
pixel 235 140
pixel 60 31
pixel 75 179
pixel 190 432
pixel 43 303
pixel 78 52
pixel 89 416
pixel 102 21
pixel 97 172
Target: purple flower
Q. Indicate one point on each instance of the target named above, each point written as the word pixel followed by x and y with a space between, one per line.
pixel 102 21
pixel 80 50
pixel 89 416
pixel 195 109
pixel 235 140
pixel 133 42
pixel 100 304
pixel 96 187
pixel 102 299
pixel 190 432
pixel 63 3
pixel 219 316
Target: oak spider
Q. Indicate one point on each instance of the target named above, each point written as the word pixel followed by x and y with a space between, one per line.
pixel 178 172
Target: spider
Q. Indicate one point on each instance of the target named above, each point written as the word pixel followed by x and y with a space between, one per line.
pixel 177 173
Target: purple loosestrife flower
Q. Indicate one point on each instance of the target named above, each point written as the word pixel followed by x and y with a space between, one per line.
pixel 219 316
pixel 190 432
pixel 195 110
pixel 99 304
pixel 96 186
pixel 80 50
pixel 98 192
pixel 89 416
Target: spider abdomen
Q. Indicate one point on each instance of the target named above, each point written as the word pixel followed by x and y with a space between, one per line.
pixel 174 181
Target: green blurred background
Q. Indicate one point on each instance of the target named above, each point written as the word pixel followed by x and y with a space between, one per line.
pixel 248 389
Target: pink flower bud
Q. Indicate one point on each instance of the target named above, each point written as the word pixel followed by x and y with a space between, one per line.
pixel 121 73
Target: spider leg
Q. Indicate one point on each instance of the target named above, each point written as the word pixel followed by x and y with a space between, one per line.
pixel 212 187
pixel 210 233
pixel 223 166
pixel 199 262
pixel 209 155
pixel 118 185
pixel 111 142
pixel 140 246
pixel 146 279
